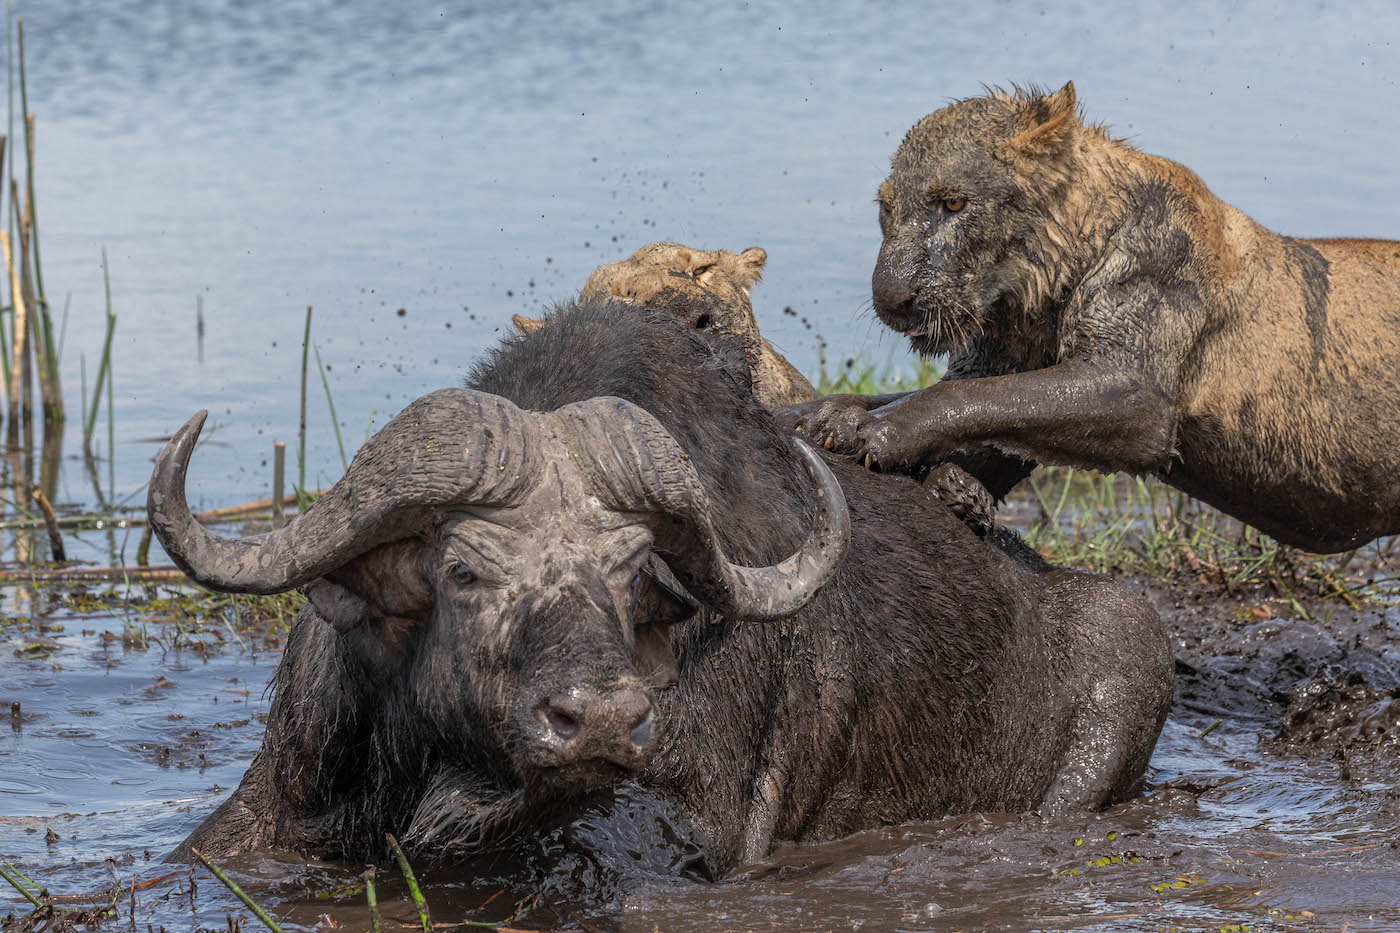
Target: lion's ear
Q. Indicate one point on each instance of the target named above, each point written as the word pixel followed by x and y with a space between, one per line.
pixel 1044 124
pixel 526 325
pixel 748 267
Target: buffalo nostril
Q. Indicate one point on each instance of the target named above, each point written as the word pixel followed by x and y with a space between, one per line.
pixel 641 732
pixel 561 723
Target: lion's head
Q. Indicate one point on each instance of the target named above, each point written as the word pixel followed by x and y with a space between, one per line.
pixel 709 290
pixel 980 214
pixel 712 286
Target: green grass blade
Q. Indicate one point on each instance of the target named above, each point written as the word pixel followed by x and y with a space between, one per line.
pixel 106 358
pixel 372 900
pixel 330 402
pixel 238 892
pixel 412 881
pixel 19 887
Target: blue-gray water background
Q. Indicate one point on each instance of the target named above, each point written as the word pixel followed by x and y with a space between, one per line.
pixel 466 162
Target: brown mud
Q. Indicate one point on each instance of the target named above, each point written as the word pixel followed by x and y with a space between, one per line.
pixel 1272 802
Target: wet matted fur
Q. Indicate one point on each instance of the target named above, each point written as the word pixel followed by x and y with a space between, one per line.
pixel 708 290
pixel 936 672
pixel 1103 309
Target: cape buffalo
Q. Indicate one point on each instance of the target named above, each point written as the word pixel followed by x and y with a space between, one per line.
pixel 602 559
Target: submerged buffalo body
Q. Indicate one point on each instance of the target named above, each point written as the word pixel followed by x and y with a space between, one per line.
pixel 603 560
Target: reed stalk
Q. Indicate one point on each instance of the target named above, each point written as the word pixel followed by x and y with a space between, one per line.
pixel 29 165
pixel 63 329
pixel 412 882
pixel 20 333
pixel 105 361
pixel 26 289
pixel 330 402
pixel 111 432
pixel 14 882
pixel 45 356
pixel 40 327
pixel 4 359
pixel 301 431
pixel 238 892
pixel 143 548
pixel 50 523
pixel 374 923
pixel 10 87
pixel 279 460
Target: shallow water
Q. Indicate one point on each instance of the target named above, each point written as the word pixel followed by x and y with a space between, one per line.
pixel 123 745
pixel 462 165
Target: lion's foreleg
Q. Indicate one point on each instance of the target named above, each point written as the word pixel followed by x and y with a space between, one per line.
pixel 1075 413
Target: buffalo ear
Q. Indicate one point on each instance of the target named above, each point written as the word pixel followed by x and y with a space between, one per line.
pixel 1045 124
pixel 526 325
pixel 340 607
pixel 387 590
pixel 661 603
pixel 668 601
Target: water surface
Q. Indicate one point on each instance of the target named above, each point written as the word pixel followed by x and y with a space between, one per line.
pixel 419 172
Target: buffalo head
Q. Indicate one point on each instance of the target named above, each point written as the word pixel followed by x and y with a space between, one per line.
pixel 506 576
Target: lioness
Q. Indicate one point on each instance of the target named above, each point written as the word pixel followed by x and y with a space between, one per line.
pixel 710 290
pixel 1102 308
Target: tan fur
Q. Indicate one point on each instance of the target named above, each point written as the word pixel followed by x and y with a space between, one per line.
pixel 658 273
pixel 1278 359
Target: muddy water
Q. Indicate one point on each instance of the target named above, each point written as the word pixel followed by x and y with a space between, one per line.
pixel 419 174
pixel 1272 803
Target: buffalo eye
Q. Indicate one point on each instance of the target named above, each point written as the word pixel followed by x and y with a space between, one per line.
pixel 463 574
pixel 637 580
pixel 953 205
pixel 702 322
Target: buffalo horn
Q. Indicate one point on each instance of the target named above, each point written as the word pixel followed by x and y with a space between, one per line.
pixel 635 465
pixel 449 448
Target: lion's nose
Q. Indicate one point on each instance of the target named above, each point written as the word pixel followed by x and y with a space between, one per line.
pixel 893 292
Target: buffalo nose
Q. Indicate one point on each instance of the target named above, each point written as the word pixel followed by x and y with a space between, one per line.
pixel 584 723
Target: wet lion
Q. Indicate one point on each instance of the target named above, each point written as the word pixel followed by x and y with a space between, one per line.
pixel 709 290
pixel 1101 308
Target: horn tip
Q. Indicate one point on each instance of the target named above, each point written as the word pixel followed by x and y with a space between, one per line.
pixel 182 443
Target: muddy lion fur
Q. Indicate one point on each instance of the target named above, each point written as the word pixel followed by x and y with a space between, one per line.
pixel 708 290
pixel 1103 309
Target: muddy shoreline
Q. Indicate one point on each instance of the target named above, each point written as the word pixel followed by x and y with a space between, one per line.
pixel 1272 802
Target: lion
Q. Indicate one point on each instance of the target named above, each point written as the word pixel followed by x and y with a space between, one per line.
pixel 1101 308
pixel 710 290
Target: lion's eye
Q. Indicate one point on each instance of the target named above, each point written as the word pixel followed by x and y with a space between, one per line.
pixel 463 575
pixel 696 273
pixel 953 205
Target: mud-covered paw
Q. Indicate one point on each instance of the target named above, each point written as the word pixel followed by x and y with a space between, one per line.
pixel 887 445
pixel 831 422
pixel 960 491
